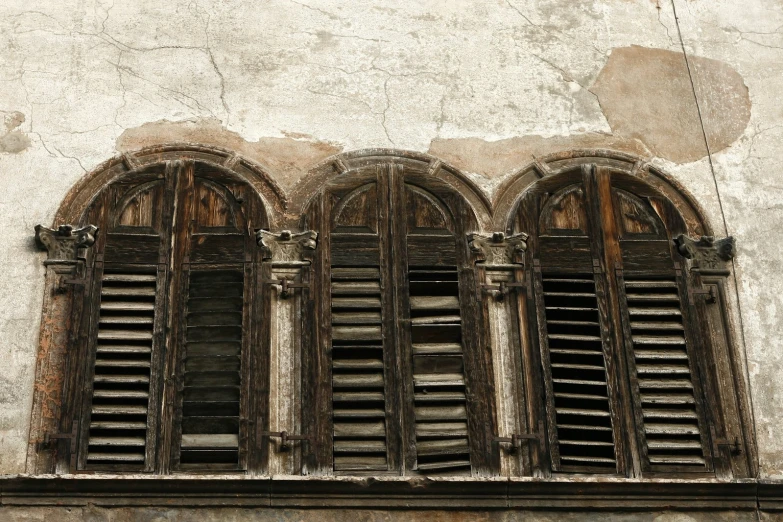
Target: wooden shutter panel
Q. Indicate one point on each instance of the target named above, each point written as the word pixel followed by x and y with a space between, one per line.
pixel 666 392
pixel 575 349
pixel 121 378
pixel 121 404
pixel 360 352
pixel 217 279
pixel 434 334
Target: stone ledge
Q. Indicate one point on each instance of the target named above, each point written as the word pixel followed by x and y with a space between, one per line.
pixel 389 492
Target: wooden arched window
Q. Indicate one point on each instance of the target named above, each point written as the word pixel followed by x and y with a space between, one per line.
pixel 399 381
pixel 170 322
pixel 623 349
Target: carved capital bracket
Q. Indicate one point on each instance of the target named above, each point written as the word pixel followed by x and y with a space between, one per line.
pixel 287 248
pixel 707 255
pixel 498 249
pixel 64 243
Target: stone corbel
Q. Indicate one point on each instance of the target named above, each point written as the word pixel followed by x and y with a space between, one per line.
pixel 708 255
pixel 65 271
pixel 65 243
pixel 498 249
pixel 287 248
pixel 287 260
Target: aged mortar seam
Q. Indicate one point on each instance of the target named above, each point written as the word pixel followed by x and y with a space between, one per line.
pixel 722 213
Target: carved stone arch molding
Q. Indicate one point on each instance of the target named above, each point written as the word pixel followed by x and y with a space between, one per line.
pixel 82 194
pixel 609 228
pixel 512 190
pixel 73 235
pixel 421 163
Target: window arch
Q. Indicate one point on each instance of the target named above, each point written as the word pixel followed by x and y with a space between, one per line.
pixel 402 383
pixel 628 383
pixel 167 315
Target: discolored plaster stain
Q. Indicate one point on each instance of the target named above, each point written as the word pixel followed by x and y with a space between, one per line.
pixel 13 141
pixel 494 159
pixel 287 158
pixel 646 94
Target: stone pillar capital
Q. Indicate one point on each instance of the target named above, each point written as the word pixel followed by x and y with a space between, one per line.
pixel 286 247
pixel 64 243
pixel 497 249
pixel 707 254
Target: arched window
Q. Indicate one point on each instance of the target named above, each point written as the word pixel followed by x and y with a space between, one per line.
pixel 627 383
pixel 400 379
pixel 167 321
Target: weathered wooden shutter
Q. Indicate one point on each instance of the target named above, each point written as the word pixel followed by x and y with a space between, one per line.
pixel 653 303
pixel 217 280
pixel 434 335
pixel 575 348
pixel 120 413
pixel 395 336
pixel 360 351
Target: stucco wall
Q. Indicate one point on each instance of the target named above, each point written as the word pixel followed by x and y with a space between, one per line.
pixel 484 85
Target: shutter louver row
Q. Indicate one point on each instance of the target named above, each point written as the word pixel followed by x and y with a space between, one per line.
pixel 121 380
pixel 438 370
pixel 359 405
pixel 666 392
pixel 582 411
pixel 212 370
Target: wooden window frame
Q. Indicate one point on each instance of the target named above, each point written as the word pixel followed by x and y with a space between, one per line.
pixel 56 439
pixel 707 266
pixel 730 428
pixel 317 367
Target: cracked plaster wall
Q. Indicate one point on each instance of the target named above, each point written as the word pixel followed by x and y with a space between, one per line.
pixel 484 85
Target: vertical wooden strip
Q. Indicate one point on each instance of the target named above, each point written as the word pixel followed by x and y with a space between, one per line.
pixel 606 250
pixel 393 406
pixel 543 339
pixel 181 173
pixel 398 284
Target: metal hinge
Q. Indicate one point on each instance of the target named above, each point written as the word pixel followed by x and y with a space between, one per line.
pixel 516 439
pixel 710 296
pixel 50 438
pixel 501 290
pixel 286 285
pixel 285 438
pixel 61 288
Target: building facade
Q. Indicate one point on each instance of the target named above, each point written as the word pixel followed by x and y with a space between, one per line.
pixel 445 260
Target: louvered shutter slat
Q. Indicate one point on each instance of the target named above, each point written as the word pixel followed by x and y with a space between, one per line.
pixel 671 426
pixel 438 370
pixel 358 387
pixel 580 395
pixel 212 373
pixel 121 379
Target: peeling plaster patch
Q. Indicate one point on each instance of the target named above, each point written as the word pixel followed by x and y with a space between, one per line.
pixel 646 94
pixel 494 159
pixel 287 159
pixel 13 141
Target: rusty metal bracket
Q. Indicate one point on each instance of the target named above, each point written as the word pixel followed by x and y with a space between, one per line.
pixel 516 439
pixel 285 438
pixel 50 438
pixel 710 296
pixel 501 290
pixel 286 285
